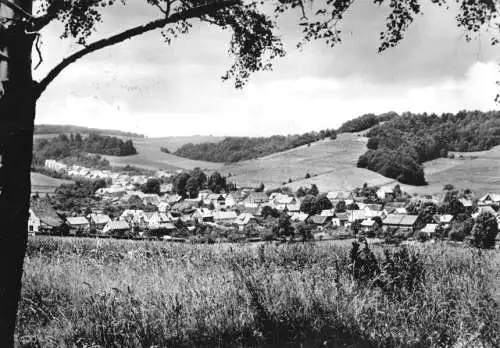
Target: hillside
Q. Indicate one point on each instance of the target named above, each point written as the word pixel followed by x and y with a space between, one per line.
pixel 235 149
pixel 478 171
pixel 331 163
pixel 150 157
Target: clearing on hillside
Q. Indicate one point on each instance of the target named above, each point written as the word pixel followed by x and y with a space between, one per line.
pixel 150 156
pixel 478 171
pixel 331 164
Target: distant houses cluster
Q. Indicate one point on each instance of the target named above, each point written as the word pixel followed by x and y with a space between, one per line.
pixel 170 215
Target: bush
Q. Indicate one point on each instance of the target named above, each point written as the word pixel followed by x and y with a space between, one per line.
pixel 485 231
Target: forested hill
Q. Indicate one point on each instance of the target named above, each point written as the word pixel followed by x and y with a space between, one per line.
pixel 64 146
pixel 234 149
pixel 399 146
pixel 68 129
pixel 365 122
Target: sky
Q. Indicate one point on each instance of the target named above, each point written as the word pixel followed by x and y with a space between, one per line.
pixel 146 86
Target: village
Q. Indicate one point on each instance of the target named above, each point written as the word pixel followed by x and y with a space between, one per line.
pixel 250 214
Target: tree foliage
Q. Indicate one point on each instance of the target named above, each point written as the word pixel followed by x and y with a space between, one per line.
pixel 485 231
pixel 399 146
pixel 64 146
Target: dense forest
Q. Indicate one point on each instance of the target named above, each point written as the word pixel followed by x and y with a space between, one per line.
pixel 75 146
pixel 68 129
pixel 399 146
pixel 234 149
pixel 365 122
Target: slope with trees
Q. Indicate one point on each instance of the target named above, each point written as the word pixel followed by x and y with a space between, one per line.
pixel 398 147
pixel 254 44
pixel 235 149
pixel 365 122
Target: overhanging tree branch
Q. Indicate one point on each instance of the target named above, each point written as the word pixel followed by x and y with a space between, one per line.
pixel 130 33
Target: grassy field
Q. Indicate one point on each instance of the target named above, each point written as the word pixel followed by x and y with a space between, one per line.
pixel 479 171
pixel 332 164
pixel 106 293
pixel 150 157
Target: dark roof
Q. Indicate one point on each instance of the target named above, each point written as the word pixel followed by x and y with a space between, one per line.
pixel 44 211
pixel 400 219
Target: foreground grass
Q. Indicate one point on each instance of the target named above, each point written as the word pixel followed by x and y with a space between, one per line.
pixel 82 293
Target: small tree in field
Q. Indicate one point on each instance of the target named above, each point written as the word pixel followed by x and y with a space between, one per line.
pixel 254 44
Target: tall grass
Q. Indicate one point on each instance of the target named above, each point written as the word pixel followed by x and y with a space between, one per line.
pixel 83 293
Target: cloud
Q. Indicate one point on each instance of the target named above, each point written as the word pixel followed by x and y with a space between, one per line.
pixel 147 86
pixel 281 107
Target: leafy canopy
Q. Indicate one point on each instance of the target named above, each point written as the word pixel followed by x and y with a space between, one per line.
pixel 255 42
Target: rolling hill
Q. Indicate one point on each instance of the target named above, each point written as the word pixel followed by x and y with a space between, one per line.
pixel 331 163
pixel 150 157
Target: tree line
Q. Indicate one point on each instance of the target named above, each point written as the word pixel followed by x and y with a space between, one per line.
pixel 234 149
pixel 398 147
pixel 68 129
pixel 74 145
pixel 365 122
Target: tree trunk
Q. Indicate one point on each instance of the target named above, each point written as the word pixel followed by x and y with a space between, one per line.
pixel 17 112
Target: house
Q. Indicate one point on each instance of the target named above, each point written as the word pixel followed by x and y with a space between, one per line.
pixel 171 199
pixel 244 219
pixel 293 208
pixel 50 221
pixel 98 221
pixel 218 200
pixel 133 216
pixel 255 199
pixel 373 210
pixel 151 198
pixel 343 218
pixel 299 216
pixel 336 196
pixel 444 219
pixel 166 188
pixel 356 215
pixel 369 226
pixel 33 223
pixel 225 216
pixel 78 225
pixel 385 193
pixel 118 228
pixel 203 215
pixel 319 220
pixel 162 229
pixel 281 201
pixel 234 198
pixel 467 203
pixel 183 207
pixel 489 199
pixel 400 221
pixel 430 229
pixel 328 212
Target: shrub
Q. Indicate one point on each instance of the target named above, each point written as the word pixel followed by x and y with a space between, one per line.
pixel 485 231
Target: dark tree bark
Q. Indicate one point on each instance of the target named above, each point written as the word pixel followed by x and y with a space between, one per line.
pixel 17 112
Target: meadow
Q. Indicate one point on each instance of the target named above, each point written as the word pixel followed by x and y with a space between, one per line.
pixel 109 293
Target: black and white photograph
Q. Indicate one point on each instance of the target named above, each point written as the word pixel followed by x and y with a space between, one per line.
pixel 249 173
